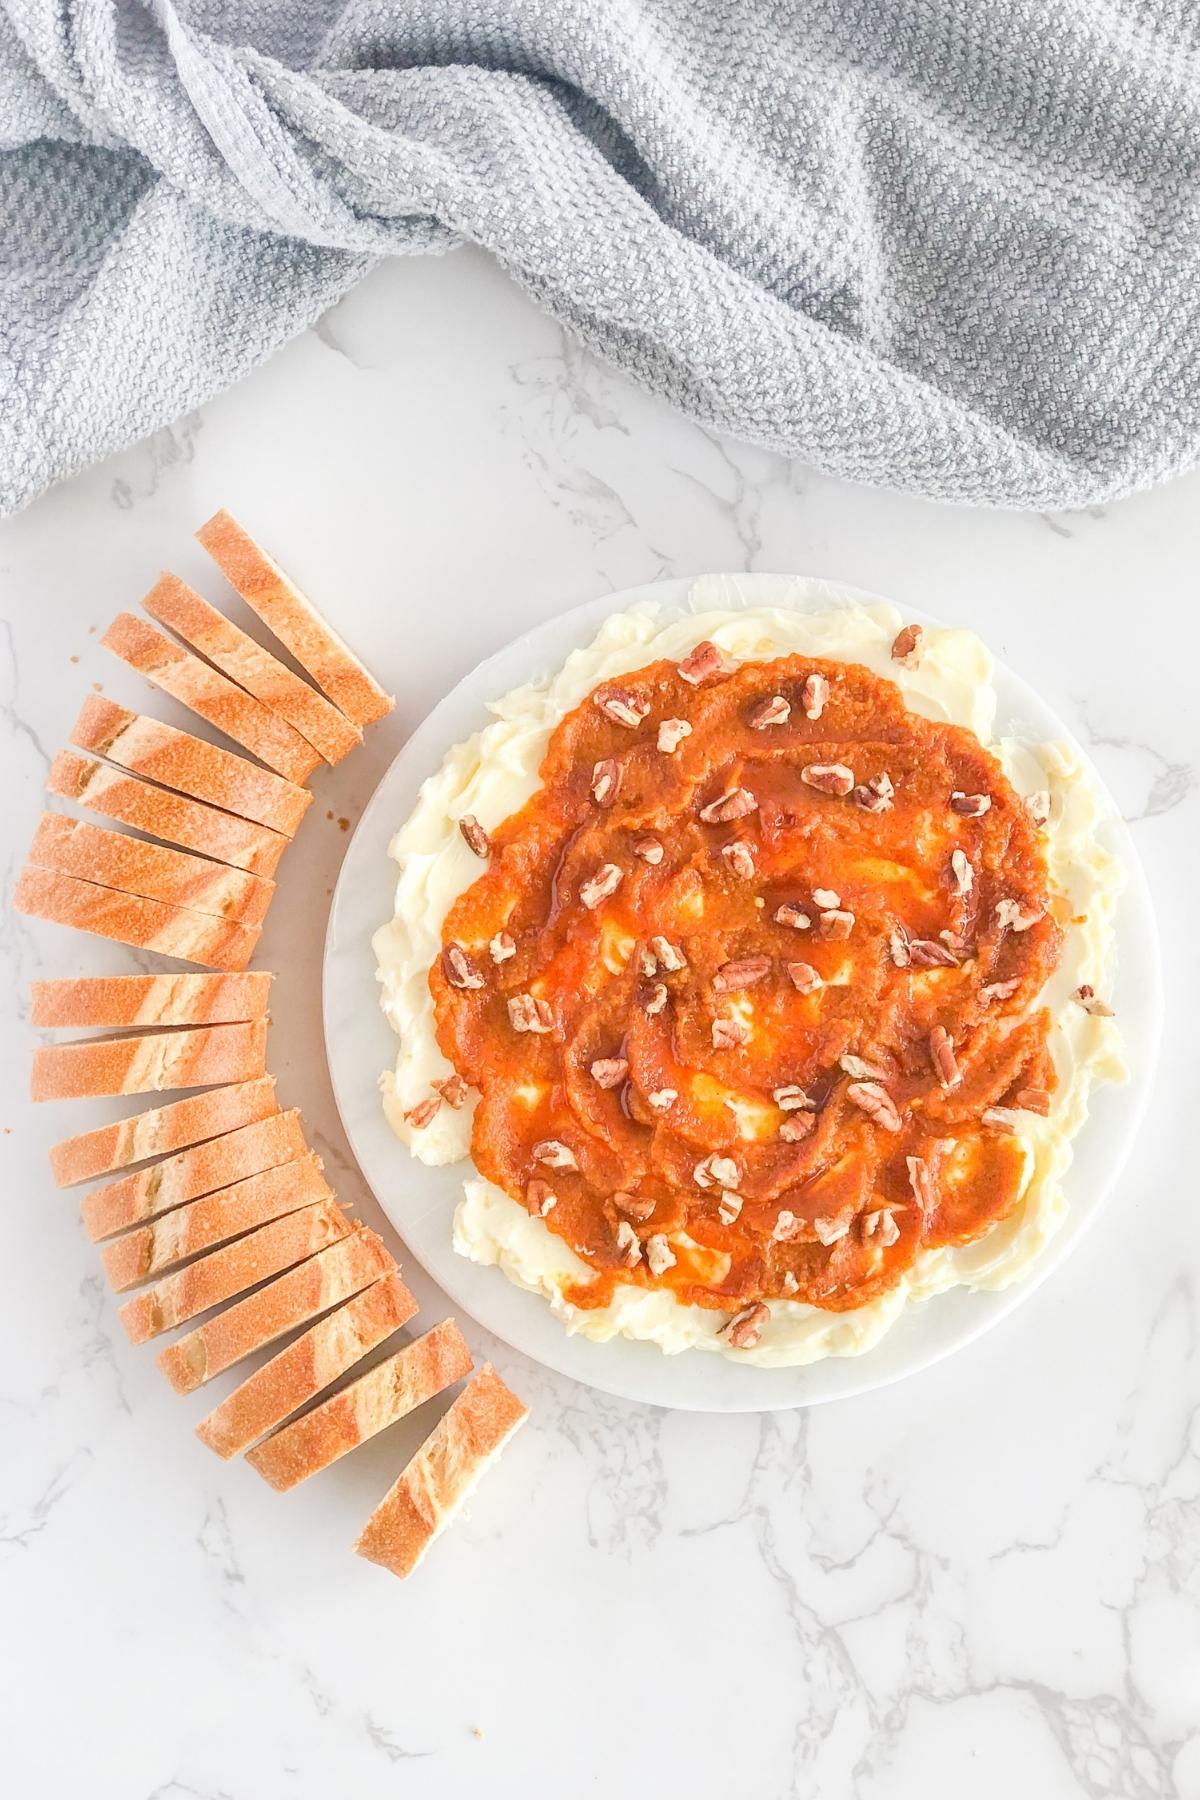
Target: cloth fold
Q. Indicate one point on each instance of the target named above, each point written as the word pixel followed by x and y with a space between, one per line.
pixel 932 245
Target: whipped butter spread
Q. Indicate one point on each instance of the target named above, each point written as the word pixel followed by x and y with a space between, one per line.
pixel 742 1254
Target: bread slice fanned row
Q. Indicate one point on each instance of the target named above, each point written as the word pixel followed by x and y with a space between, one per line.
pixel 308 1365
pixel 174 604
pixel 389 1391
pixel 232 1270
pixel 217 1218
pixel 177 877
pixel 443 1473
pixel 161 1130
pixel 294 620
pixel 119 1001
pixel 130 919
pixel 199 1056
pixel 173 817
pixel 291 1300
pixel 188 1174
pixel 190 765
pixel 197 685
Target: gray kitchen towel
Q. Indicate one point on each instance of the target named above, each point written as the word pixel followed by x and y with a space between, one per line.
pixel 948 246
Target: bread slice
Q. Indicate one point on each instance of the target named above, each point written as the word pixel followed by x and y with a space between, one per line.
pixel 161 1130
pixel 206 691
pixel 115 860
pixel 292 1299
pixel 465 1442
pixel 129 919
pixel 216 1219
pixel 294 620
pixel 231 1270
pixel 389 1391
pixel 176 759
pixel 206 1056
pixel 308 1365
pixel 119 1001
pixel 174 604
pixel 132 801
pixel 189 1173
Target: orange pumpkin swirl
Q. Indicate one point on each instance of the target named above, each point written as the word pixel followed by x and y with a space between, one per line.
pixel 739 1008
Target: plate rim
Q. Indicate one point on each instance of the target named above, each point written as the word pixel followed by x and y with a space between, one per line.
pixel 559 1349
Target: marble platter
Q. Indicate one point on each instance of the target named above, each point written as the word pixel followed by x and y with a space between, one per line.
pixel 420 1201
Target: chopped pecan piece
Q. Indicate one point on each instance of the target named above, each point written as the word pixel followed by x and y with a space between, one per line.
pixel 728 1034
pixel 746 972
pixel 622 707
pixel 670 956
pixel 661 1098
pixel 702 663
pixel 1002 1118
pixel 860 1070
pixel 1038 806
pixel 475 837
pixel 775 711
pixel 829 1231
pixel 797 1126
pixel 659 1254
pixel 971 806
pixel 1000 990
pixel 792 915
pixel 941 1055
pixel 656 999
pixel 598 887
pixel 927 953
pixel 793 1099
pixel 554 1153
pixel 736 803
pixel 901 954
pixel 874 795
pixel 459 970
pixel 813 696
pixel 716 1171
pixel 1086 996
pixel 637 1206
pixel 629 1243
pixel 540 1197
pixel 826 897
pixel 671 733
pixel 1012 916
pixel 609 1071
pixel 920 1180
pixel 876 1102
pixel 729 1207
pixel 502 946
pixel 790 1283
pixel 882 1226
pixel 836 923
pixel 525 1013
pixel 453 1090
pixel 803 977
pixel 1032 1099
pixel 907 644
pixel 746 1327
pixel 606 781
pixel 649 849
pixel 962 874
pixel 828 778
pixel 785 1228
pixel 421 1115
pixel 740 858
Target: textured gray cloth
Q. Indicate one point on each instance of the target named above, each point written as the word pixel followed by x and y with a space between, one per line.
pixel 951 246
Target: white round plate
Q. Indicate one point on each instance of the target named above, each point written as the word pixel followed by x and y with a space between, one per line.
pixel 420 1202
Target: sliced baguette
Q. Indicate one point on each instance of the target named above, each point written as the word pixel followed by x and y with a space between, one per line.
pixel 162 1129
pixel 174 604
pixel 292 1299
pixel 119 1001
pixel 189 1173
pixel 389 1391
pixel 188 764
pixel 145 807
pixel 196 684
pixel 307 1366
pixel 203 1056
pixel 129 919
pixel 294 620
pixel 231 1270
pixel 176 877
pixel 217 1218
pixel 465 1442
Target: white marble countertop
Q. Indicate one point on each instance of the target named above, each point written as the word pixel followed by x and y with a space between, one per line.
pixel 984 1581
